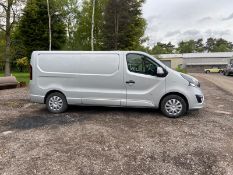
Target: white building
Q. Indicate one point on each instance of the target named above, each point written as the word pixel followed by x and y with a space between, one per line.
pixel 197 62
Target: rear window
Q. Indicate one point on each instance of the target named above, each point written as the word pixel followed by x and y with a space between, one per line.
pixel 79 63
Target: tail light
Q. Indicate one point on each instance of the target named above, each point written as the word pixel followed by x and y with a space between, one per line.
pixel 30 71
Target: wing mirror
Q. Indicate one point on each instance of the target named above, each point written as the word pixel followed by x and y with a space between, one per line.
pixel 160 71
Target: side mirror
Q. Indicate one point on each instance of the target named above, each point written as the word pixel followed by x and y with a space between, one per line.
pixel 160 71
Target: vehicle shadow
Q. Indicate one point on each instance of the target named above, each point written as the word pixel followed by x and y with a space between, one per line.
pixel 75 114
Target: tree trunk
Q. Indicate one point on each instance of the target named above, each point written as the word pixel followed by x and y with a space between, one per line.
pixel 93 26
pixel 116 28
pixel 8 39
pixel 7 56
pixel 50 30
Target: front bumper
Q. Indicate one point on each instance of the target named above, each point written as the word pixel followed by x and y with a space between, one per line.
pixel 196 98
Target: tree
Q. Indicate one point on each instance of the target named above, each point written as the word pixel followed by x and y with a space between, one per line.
pixel 191 46
pixel 218 45
pixel 170 48
pixel 18 49
pixel 70 10
pixel 33 27
pixel 210 43
pixel 50 32
pixel 186 46
pixel 222 45
pixel 144 45
pixel 9 13
pixel 199 46
pixel 163 48
pixel 2 48
pixel 82 36
pixel 123 25
pixel 92 25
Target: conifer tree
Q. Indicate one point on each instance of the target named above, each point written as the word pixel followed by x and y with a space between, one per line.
pixel 33 27
pixel 123 25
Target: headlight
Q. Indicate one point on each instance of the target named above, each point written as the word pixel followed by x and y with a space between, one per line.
pixel 191 80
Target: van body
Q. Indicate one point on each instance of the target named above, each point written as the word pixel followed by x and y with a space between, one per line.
pixel 112 78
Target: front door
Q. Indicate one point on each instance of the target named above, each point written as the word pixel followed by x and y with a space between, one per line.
pixel 143 86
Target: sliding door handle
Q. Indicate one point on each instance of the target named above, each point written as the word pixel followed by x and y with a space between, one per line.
pixel 130 82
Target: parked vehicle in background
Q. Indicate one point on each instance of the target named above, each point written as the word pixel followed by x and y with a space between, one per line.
pixel 228 70
pixel 214 70
pixel 116 78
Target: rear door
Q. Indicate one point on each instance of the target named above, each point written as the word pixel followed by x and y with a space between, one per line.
pixel 101 79
pixel 144 88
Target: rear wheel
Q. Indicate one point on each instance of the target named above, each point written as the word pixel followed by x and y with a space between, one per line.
pixel 207 72
pixel 56 103
pixel 173 106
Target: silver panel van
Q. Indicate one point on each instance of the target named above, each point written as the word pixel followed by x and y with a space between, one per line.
pixel 112 78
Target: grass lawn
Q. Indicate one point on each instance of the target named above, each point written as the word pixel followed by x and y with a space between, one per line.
pixel 19 76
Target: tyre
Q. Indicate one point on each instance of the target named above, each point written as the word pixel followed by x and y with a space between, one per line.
pixel 56 103
pixel 207 72
pixel 173 106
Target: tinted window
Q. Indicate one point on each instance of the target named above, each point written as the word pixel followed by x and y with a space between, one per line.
pixel 141 64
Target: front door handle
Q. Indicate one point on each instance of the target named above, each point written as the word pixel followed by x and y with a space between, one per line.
pixel 130 82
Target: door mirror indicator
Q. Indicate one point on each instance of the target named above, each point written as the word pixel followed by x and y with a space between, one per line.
pixel 160 71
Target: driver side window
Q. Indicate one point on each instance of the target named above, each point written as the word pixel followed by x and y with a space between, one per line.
pixel 141 64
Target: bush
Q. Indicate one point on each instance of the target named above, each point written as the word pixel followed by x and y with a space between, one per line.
pixel 22 64
pixel 180 69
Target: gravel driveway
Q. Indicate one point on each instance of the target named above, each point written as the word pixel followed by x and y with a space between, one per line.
pixel 224 82
pixel 91 140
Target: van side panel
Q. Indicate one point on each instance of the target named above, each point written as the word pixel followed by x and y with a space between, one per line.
pixel 102 83
pixel 58 71
pixel 84 78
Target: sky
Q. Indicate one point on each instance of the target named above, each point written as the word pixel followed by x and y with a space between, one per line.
pixel 176 20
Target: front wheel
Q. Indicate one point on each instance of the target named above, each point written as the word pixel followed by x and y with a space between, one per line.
pixel 56 102
pixel 173 106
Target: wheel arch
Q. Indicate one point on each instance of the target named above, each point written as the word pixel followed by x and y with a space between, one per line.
pixel 50 92
pixel 175 93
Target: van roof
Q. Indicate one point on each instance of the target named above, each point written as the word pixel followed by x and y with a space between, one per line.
pixel 37 52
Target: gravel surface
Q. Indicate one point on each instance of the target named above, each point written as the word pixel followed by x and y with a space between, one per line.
pixel 224 82
pixel 97 140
